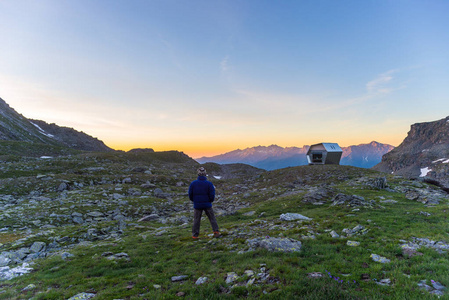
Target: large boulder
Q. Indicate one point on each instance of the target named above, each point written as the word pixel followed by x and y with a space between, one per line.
pixel 275 244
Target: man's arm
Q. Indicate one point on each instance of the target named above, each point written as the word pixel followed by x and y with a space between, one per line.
pixel 191 192
pixel 211 192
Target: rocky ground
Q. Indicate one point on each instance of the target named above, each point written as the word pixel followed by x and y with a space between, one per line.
pixel 117 225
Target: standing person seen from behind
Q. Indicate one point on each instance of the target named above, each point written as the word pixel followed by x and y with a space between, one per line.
pixel 202 194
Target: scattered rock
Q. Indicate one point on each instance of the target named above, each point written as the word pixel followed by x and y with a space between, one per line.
pixel 352 201
pixel 62 187
pixel 357 230
pixel 378 258
pixel 379 183
pixel 315 275
pixel 38 247
pixel 352 243
pixel 293 217
pixel 6 273
pixel 385 281
pixel 275 244
pixel 148 218
pixel 231 277
pixel 95 214
pixel 82 296
pixel 318 195
pixel 179 278
pixel 436 288
pixel 29 287
pixel 66 255
pixel 127 180
pixel 334 234
pixel 201 280
pixel 250 213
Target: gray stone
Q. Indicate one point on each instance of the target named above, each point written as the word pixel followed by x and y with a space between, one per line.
pixel 62 187
pixel 317 195
pixel 293 216
pixel 385 281
pixel 378 183
pixel 378 258
pixel 4 261
pixel 149 218
pixel 412 195
pixel 127 180
pixel 437 293
pixel 23 252
pixel 231 277
pixel 352 243
pixel 201 280
pixel 119 217
pixel 423 285
pixel 78 220
pixel 82 296
pixel 334 234
pixel 276 244
pixel 116 196
pixel 250 213
pixel 438 286
pixel 179 278
pixel 134 192
pixel 66 255
pixel 95 214
pixel 159 193
pixel 38 247
pixel 147 185
pixel 352 201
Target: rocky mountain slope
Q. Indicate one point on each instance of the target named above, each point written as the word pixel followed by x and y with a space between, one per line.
pixel 423 153
pixel 118 226
pixel 17 128
pixel 275 157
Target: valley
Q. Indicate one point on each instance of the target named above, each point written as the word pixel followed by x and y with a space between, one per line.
pixel 118 226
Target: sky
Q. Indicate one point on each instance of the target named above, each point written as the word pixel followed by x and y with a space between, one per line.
pixel 208 77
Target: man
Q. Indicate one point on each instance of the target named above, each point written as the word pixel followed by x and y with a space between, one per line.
pixel 202 193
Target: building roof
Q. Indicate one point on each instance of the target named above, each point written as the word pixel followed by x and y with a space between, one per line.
pixel 332 147
pixel 329 147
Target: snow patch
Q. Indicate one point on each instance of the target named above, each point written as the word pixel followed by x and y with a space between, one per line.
pixel 217 177
pixel 446 161
pixel 6 273
pixel 424 171
pixel 42 131
pixel 46 157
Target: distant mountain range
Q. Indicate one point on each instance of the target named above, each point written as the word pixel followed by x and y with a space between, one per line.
pixel 15 127
pixel 423 153
pixel 276 157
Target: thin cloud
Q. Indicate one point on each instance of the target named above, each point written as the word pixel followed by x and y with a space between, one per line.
pixel 380 84
pixel 224 64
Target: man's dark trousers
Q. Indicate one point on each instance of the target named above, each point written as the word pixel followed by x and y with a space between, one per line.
pixel 197 220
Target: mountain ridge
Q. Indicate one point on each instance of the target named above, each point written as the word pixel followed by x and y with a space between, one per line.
pixel 16 127
pixel 275 157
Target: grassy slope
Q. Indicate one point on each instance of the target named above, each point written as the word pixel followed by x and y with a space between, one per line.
pixel 154 259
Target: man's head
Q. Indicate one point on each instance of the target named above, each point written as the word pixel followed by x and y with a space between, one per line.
pixel 201 171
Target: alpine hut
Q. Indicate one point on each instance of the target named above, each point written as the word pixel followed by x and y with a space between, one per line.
pixel 324 154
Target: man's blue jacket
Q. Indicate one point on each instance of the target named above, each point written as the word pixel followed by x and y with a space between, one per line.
pixel 202 193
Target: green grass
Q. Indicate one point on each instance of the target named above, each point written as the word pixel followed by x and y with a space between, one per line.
pixel 155 259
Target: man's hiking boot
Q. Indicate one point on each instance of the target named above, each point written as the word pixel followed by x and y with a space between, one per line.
pixel 217 234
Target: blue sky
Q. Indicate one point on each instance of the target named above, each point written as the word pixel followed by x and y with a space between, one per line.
pixel 206 77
